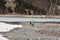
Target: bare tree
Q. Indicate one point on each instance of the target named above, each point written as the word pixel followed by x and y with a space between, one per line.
pixel 53 7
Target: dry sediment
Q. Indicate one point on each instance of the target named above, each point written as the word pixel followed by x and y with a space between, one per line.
pixel 40 31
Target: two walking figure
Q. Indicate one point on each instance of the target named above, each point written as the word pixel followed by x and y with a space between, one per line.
pixel 32 23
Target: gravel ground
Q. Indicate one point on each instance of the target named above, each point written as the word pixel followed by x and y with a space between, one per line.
pixel 40 31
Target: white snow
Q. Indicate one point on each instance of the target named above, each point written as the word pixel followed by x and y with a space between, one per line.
pixel 6 28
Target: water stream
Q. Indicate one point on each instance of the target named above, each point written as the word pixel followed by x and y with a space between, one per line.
pixel 10 19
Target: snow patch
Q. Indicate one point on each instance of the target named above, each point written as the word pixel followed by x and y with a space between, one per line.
pixel 7 27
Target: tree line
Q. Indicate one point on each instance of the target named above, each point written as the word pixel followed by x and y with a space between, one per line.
pixel 28 9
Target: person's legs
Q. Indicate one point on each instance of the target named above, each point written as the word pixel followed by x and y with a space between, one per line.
pixel 32 24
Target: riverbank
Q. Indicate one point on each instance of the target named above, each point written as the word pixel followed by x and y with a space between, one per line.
pixel 31 16
pixel 40 31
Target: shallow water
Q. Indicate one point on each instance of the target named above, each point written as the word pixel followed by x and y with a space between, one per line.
pixel 10 19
